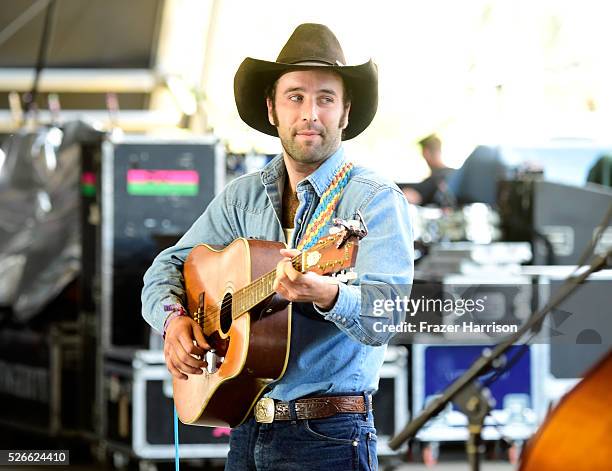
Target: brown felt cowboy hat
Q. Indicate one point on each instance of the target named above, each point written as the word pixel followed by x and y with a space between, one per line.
pixel 310 46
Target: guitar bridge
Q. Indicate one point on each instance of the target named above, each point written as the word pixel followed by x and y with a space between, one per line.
pixel 198 316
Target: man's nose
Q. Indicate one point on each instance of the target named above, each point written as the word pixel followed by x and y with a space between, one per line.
pixel 310 111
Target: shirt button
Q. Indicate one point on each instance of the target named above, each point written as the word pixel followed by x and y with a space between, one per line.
pixel 344 320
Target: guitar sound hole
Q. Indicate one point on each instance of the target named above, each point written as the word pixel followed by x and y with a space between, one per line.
pixel 225 317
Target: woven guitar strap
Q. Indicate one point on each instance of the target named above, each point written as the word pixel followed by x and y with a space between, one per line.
pixel 326 207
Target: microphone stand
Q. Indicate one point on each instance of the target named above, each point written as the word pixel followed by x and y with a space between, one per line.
pixel 473 399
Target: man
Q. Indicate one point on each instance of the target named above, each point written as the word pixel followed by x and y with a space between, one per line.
pixel 311 101
pixel 434 189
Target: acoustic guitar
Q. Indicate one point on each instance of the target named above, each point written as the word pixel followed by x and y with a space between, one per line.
pixel 248 326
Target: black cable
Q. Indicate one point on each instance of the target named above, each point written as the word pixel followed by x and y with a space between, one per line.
pixel 589 249
pixel 43 48
pixel 551 258
pixel 508 364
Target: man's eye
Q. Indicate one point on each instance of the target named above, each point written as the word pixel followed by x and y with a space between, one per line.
pixel 327 99
pixel 295 98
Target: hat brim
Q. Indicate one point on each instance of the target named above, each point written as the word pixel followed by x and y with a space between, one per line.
pixel 254 76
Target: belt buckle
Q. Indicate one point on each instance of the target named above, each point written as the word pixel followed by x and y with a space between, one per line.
pixel 264 410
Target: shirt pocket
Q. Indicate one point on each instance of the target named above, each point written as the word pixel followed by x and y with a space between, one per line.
pixel 258 224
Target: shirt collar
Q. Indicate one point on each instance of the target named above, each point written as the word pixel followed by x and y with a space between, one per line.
pixel 273 170
pixel 320 179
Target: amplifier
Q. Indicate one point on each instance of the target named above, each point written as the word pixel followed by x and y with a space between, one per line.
pixel 152 190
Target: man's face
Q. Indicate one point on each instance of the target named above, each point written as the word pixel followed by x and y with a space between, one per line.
pixel 309 114
pixel 433 156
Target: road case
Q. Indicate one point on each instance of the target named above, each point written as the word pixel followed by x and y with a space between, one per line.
pixel 152 190
pixel 46 381
pixel 138 408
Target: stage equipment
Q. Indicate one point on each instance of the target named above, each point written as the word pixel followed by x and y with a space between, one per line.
pixel 151 190
pixel 557 219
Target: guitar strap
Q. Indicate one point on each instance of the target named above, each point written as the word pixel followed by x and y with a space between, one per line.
pixel 326 207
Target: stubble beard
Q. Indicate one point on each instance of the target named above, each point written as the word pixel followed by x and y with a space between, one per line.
pixel 311 152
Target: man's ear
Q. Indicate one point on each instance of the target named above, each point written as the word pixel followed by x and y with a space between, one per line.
pixel 347 110
pixel 270 107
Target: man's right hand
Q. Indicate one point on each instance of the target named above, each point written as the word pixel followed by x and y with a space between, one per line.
pixel 179 347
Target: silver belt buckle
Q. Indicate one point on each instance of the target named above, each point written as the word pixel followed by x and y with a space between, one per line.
pixel 264 410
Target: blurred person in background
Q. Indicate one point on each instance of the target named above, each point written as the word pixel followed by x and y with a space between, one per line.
pixel 601 171
pixel 434 189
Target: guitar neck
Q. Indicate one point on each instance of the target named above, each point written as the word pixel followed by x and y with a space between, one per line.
pixel 258 291
pixel 330 255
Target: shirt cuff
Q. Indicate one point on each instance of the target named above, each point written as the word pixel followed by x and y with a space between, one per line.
pixel 348 305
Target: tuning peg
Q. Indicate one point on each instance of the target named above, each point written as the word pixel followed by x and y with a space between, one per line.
pixel 346 276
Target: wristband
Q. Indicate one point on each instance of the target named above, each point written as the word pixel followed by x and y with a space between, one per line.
pixel 176 310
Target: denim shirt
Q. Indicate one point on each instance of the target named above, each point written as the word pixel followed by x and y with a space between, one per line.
pixel 335 351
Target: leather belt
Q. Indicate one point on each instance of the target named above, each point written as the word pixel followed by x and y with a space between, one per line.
pixel 268 410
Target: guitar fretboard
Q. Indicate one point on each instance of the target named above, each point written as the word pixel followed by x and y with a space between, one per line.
pixel 259 290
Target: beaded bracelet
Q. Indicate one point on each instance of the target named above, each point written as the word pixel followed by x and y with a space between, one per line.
pixel 176 310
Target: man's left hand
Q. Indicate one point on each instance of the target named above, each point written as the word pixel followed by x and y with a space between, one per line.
pixel 303 287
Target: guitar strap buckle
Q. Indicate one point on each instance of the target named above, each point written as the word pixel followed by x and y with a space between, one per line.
pixel 264 410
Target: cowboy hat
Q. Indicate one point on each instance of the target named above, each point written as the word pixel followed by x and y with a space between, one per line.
pixel 310 46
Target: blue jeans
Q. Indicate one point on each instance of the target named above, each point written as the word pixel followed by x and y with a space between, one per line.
pixel 339 443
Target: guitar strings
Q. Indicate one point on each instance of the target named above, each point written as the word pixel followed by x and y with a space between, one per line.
pixel 211 310
pixel 296 262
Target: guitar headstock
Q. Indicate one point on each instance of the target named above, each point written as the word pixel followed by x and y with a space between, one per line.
pixel 331 254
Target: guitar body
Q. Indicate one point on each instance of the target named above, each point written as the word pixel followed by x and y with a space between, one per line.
pixel 255 347
pixel 576 434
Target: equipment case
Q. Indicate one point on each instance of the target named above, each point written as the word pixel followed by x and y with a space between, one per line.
pixel 152 190
pixel 46 380
pixel 138 408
